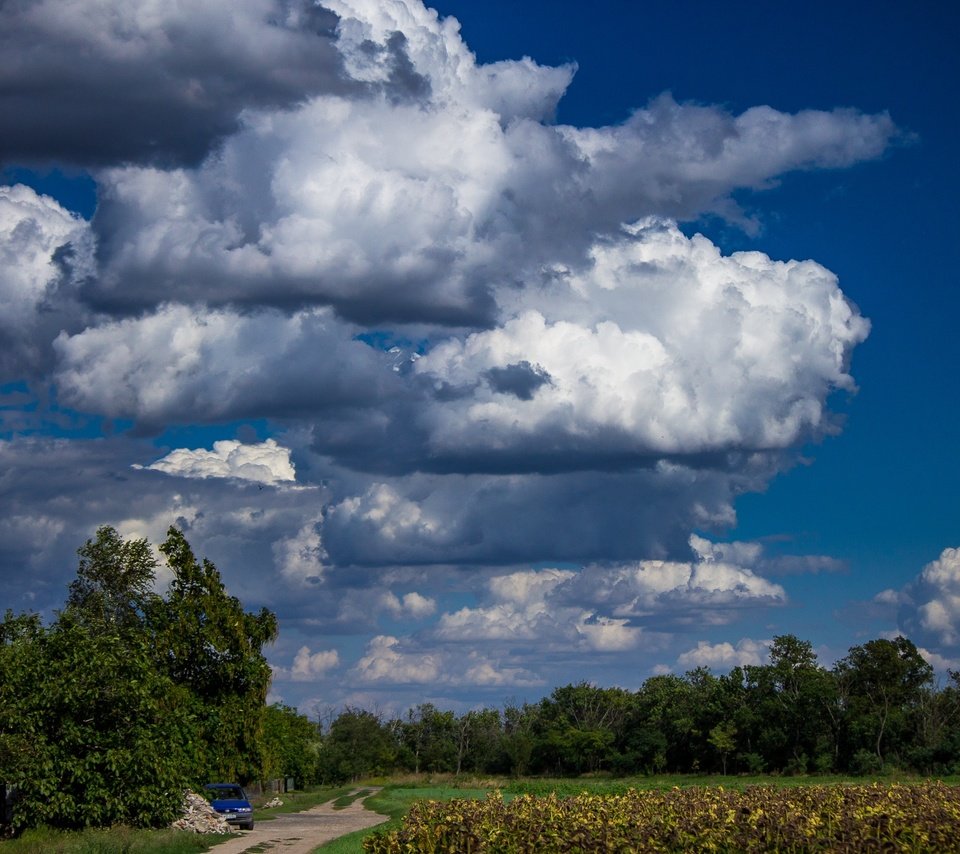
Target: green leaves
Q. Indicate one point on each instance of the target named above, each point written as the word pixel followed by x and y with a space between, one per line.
pixel 760 819
pixel 128 697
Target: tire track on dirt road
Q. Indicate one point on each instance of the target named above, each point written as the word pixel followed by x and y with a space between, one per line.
pixel 301 832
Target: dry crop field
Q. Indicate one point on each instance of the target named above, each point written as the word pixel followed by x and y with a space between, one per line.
pixel 921 817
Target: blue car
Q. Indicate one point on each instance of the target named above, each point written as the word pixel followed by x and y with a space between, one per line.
pixel 231 802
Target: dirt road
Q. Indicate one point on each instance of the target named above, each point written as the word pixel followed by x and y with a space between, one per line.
pixel 301 832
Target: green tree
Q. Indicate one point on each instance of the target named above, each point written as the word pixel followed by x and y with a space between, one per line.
pixel 100 737
pixel 723 738
pixel 886 681
pixel 479 733
pixel 114 583
pixel 579 726
pixel 291 745
pixel 110 711
pixel 358 744
pixel 431 737
pixel 206 642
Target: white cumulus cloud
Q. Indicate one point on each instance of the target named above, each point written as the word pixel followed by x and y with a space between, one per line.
pixel 930 604
pixel 724 656
pixel 262 462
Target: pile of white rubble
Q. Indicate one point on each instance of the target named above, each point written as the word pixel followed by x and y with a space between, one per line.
pixel 198 816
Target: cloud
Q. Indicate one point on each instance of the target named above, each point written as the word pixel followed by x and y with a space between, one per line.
pixel 930 604
pixel 940 663
pixel 724 656
pixel 509 519
pixel 309 666
pixel 302 557
pixel 45 253
pixel 608 608
pixel 385 661
pixel 130 80
pixel 483 336
pixel 264 462
pixel 183 365
pixel 706 352
pixel 393 213
pixel 391 661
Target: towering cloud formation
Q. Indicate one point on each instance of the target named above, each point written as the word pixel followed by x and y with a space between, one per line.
pixel 287 189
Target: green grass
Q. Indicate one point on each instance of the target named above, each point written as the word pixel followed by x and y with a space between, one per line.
pixel 114 840
pixel 345 800
pixel 395 802
pixel 300 801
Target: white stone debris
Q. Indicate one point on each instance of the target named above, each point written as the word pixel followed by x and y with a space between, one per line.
pixel 273 802
pixel 199 817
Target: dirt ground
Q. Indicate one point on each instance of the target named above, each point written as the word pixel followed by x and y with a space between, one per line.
pixel 301 832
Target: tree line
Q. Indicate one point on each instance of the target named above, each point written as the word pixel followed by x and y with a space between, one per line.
pixel 878 707
pixel 128 696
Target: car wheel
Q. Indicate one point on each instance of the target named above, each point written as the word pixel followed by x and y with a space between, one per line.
pixel 247 826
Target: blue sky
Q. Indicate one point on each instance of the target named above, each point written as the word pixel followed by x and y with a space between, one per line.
pixel 603 446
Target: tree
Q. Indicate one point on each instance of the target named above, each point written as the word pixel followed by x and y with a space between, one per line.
pixel 114 583
pixel 100 736
pixel 580 724
pixel 357 744
pixel 431 737
pixel 208 643
pixel 723 737
pixel 127 697
pixel 479 733
pixel 291 745
pixel 886 679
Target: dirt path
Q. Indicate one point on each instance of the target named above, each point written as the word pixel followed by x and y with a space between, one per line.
pixel 301 832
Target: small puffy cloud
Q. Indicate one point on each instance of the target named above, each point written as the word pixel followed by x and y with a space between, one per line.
pixel 890 597
pixel 301 557
pixel 362 606
pixel 488 673
pixel 411 604
pixel 181 364
pixel 263 462
pixel 308 666
pixel 724 656
pixel 604 634
pixel 664 593
pixel 930 605
pixel 393 515
pixel 385 660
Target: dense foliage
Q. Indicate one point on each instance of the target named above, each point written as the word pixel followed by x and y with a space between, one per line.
pixel 877 707
pixel 914 818
pixel 128 696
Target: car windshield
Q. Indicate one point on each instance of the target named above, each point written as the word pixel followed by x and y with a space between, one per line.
pixel 227 793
